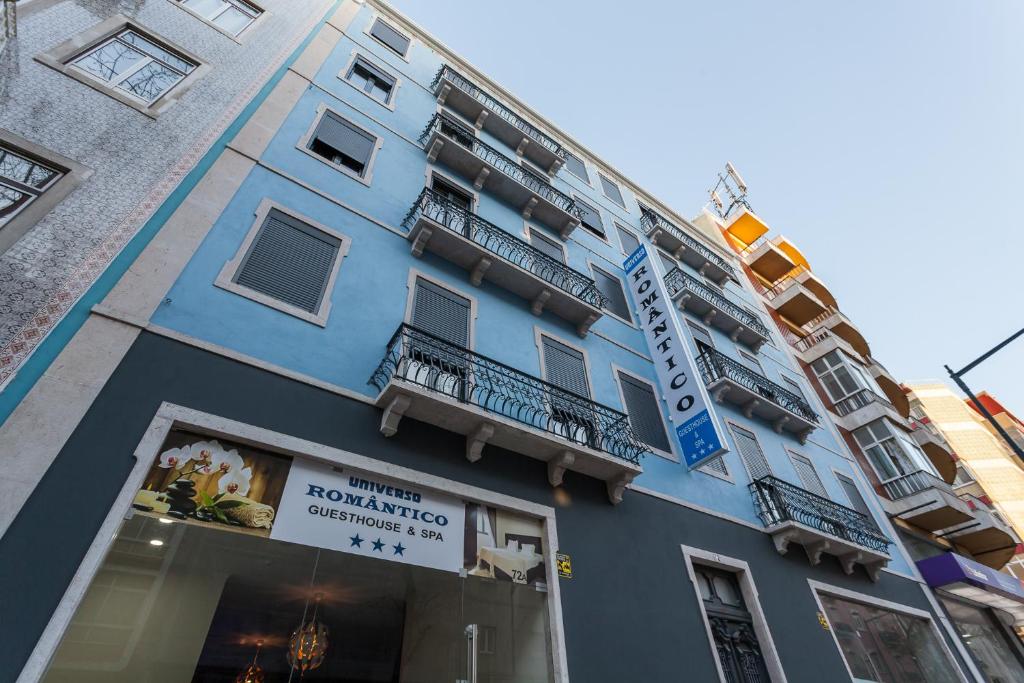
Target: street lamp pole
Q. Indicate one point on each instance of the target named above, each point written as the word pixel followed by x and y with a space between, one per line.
pixel 957 377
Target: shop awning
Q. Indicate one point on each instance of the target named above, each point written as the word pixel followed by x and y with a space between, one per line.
pixel 961 576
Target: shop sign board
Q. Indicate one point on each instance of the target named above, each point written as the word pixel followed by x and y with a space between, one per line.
pixel 697 427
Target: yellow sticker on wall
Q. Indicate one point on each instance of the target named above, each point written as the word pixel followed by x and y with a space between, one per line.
pixel 564 563
pixel 823 621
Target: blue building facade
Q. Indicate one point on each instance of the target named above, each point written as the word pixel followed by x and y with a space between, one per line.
pixel 394 270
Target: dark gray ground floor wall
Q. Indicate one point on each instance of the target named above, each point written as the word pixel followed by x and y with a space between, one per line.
pixel 630 611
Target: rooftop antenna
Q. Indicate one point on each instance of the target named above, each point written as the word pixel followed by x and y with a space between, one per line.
pixel 735 188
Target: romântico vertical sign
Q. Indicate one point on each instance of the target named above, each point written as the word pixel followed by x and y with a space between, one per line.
pixel 696 425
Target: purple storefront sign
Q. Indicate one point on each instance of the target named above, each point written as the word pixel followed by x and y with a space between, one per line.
pixel 951 568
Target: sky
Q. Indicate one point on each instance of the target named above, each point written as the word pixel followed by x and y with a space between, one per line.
pixel 884 139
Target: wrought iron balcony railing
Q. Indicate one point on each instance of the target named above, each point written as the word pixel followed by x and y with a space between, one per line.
pixel 503 244
pixel 715 365
pixel 468 87
pixel 862 398
pixel 532 181
pixel 676 280
pixel 651 220
pixel 418 357
pixel 778 501
pixel 915 482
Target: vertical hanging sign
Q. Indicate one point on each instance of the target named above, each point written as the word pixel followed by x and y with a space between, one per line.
pixel 697 429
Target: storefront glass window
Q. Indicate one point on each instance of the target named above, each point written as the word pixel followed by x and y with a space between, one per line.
pixel 882 646
pixel 196 589
pixel 987 640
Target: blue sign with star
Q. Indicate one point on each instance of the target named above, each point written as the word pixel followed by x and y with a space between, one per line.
pixel 698 439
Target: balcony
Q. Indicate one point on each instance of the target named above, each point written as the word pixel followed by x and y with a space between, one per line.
pixel 864 407
pixel 893 390
pixel 925 501
pixel 687 249
pixel 936 449
pixel 434 381
pixel 834 319
pixel 814 284
pixel 820 525
pixel 767 259
pixel 458 93
pixel 728 380
pixel 438 225
pixel 794 302
pixel 987 538
pixel 819 343
pixel 690 294
pixel 453 145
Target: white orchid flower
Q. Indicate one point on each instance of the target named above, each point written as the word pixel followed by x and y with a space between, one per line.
pixel 235 480
pixel 176 458
pixel 208 456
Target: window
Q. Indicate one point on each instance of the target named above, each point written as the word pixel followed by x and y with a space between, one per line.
pixel 394 40
pixel 565 367
pixel 808 475
pixel 853 495
pixel 342 144
pixel 576 166
pixel 751 453
pixel 547 246
pixel 794 386
pixel 667 262
pixel 628 240
pixel 717 466
pixel 453 193
pixel 644 412
pixel 286 263
pixel 700 335
pixel 22 180
pixel 611 287
pixel 963 476
pixel 134 66
pixel 591 219
pixel 883 645
pixel 441 312
pixel 751 361
pixel 732 625
pixel 839 377
pixel 611 190
pixel 987 639
pixel 371 80
pixel 891 452
pixel 231 16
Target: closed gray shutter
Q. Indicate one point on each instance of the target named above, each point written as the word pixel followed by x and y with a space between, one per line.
pixel 611 287
pixel 564 367
pixel 700 334
pixel 856 500
pixel 289 261
pixel 717 465
pixel 385 79
pixel 390 37
pixel 808 475
pixel 751 453
pixel 611 190
pixel 628 240
pixel 344 137
pixel 576 166
pixel 667 262
pixel 442 313
pixel 644 412
pixel 546 246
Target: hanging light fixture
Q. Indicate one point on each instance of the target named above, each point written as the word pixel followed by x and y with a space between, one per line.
pixel 252 673
pixel 308 644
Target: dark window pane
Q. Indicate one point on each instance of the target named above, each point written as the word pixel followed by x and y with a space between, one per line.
pixel 342 143
pixel 611 190
pixel 547 246
pixel 564 367
pixel 390 37
pixel 591 219
pixel 644 412
pixel 441 312
pixel 628 240
pixel 576 166
pixel 611 287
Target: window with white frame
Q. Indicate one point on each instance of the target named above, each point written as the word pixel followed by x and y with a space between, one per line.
pixel 731 625
pixel 644 411
pixel 628 240
pixel 342 143
pixel 231 16
pixel 750 452
pixel 22 180
pixel 591 218
pixel 700 335
pixel 611 190
pixel 135 65
pixel 614 294
pixel 840 376
pixel 575 165
pixel 892 452
pixel 808 475
pixel 390 37
pixel 371 80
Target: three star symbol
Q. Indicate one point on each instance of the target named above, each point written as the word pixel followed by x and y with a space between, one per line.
pixel 399 549
pixel 378 545
pixel 356 541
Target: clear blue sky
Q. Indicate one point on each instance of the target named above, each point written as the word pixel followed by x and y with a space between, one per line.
pixel 885 139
